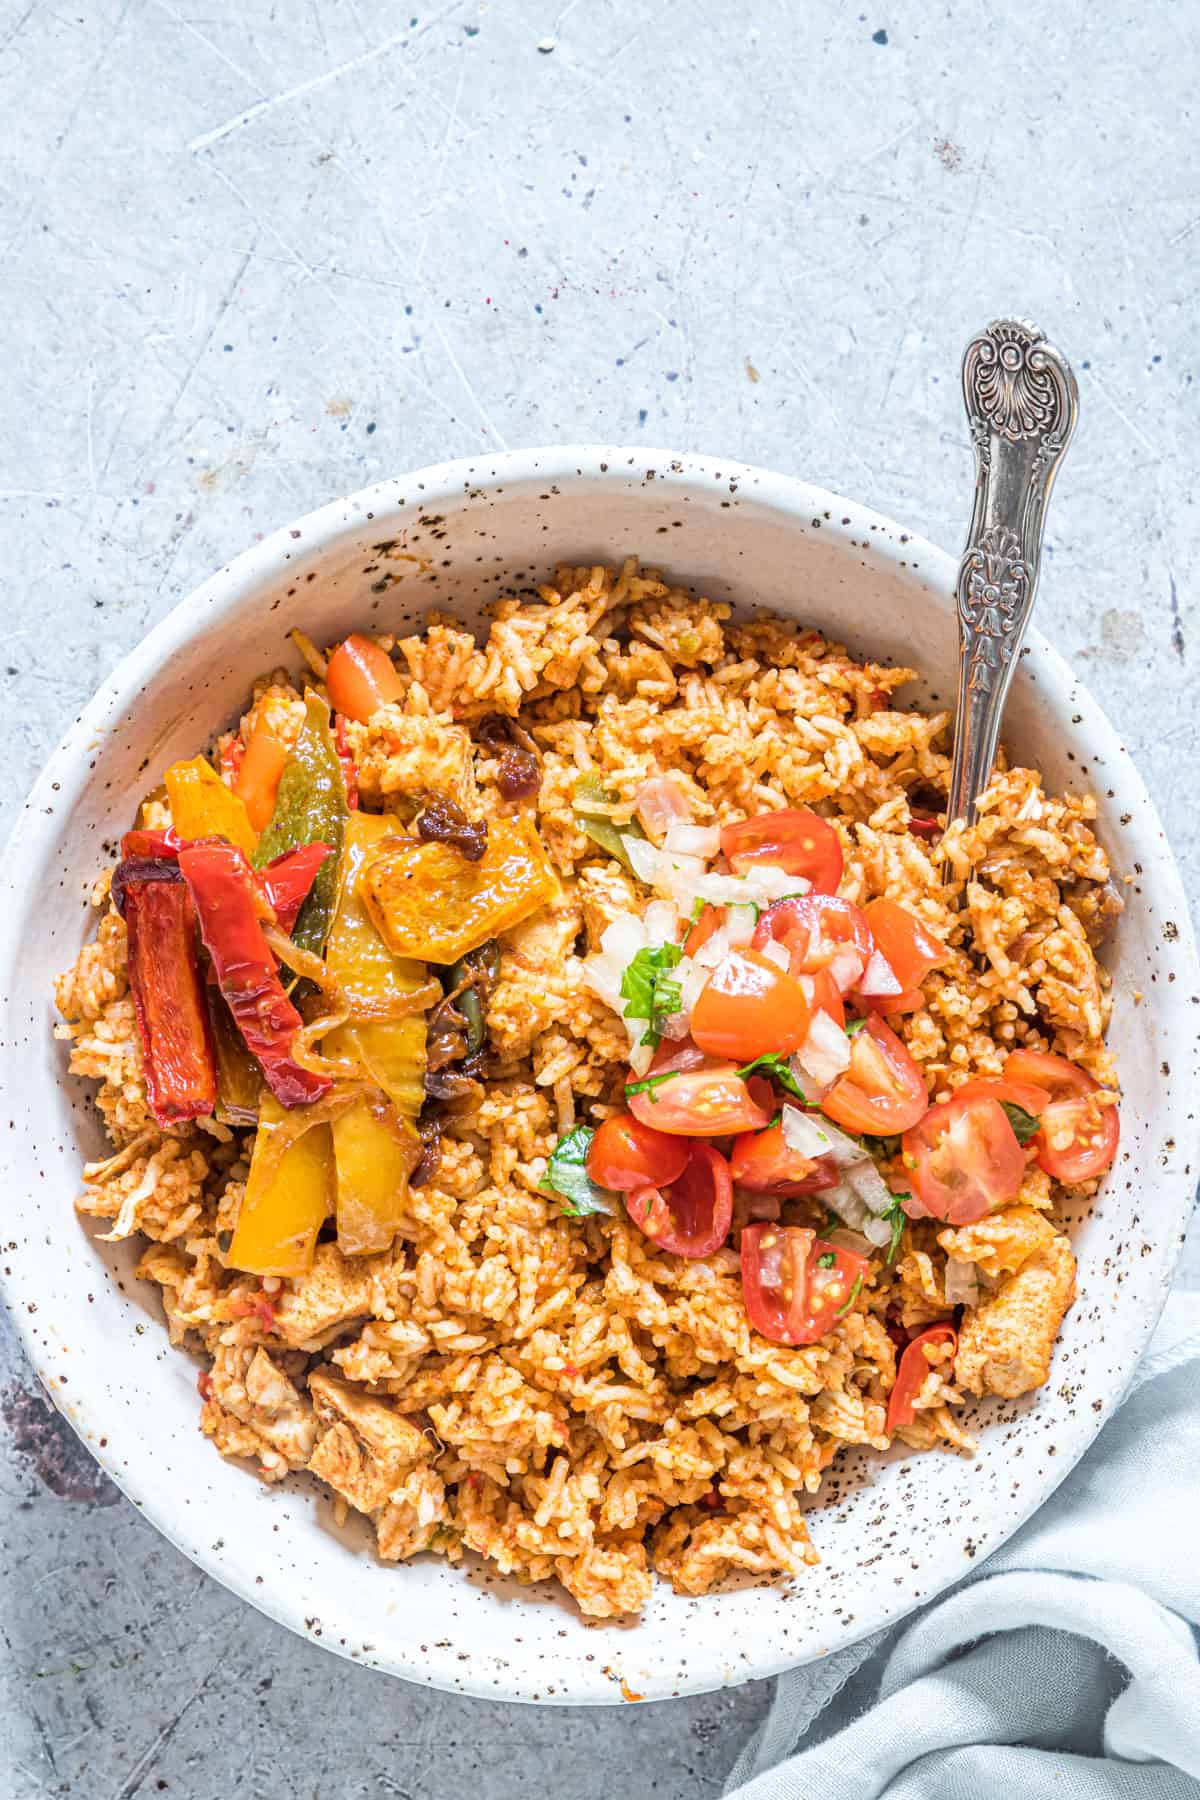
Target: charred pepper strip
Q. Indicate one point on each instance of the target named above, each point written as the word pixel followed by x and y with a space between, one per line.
pixel 285 883
pixel 228 905
pixel 310 808
pixel 168 989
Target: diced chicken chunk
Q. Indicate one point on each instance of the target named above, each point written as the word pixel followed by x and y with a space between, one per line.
pixel 254 1410
pixel 538 969
pixel 314 1307
pixel 405 758
pixel 1005 1344
pixel 409 1519
pixel 365 1448
pixel 605 893
pixel 1002 1243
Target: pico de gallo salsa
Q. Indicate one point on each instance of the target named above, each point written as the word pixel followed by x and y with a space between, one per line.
pixel 765 1012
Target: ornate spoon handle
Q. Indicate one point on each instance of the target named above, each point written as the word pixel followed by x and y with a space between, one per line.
pixel 1022 403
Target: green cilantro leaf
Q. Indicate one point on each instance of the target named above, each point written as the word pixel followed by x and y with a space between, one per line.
pixel 895 1216
pixel 850 1299
pixel 827 1260
pixel 775 1066
pixel 567 1177
pixel 854 1026
pixel 1025 1125
pixel 648 1084
pixel 648 989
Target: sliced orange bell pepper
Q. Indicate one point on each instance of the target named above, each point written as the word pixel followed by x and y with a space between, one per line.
pixel 429 901
pixel 257 780
pixel 361 678
pixel 286 1200
pixel 202 806
pixel 365 969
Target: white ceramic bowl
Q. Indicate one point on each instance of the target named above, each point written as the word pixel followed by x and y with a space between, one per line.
pixel 891 1532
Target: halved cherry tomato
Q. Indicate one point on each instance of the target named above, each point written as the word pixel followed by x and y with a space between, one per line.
pixel 361 678
pixel 823 995
pixel 1024 1094
pixel 626 1154
pixel 706 926
pixel 910 1376
pixel 964 1160
pixel 690 1216
pixel 882 1091
pixel 748 1007
pixel 704 1097
pixel 795 1285
pixel 904 941
pixel 819 931
pixel 764 1162
pixel 910 1001
pixel 1080 1132
pixel 257 778
pixel 793 839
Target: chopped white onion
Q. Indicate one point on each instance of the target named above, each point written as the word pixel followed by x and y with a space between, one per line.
pixel 644 859
pixel 845 1239
pixel 693 840
pixel 676 1026
pixel 846 967
pixel 623 938
pixel 962 1283
pixel 878 978
pixel 810 1136
pixel 814 1091
pixel 640 1055
pixel 662 922
pixel 740 920
pixel 806 1135
pixel 660 803
pixel 825 1052
pixel 878 1231
pixel 691 976
pixel 715 950
pixel 777 953
pixel 849 1208
pixel 869 1185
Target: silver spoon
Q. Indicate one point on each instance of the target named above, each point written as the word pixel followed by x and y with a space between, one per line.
pixel 1022 403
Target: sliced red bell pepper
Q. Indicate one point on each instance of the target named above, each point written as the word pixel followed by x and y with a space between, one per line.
pixel 144 842
pixel 167 988
pixel 284 883
pixel 287 880
pixel 227 902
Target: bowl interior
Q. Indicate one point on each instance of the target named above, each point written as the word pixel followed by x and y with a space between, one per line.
pixel 890 1532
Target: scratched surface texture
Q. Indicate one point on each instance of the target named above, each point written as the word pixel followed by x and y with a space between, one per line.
pixel 258 255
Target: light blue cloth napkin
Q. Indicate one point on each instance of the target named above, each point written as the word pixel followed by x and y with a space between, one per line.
pixel 1066 1666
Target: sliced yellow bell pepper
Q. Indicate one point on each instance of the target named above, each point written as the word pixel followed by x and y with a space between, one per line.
pixel 202 806
pixel 393 1050
pixel 375 1152
pixel 429 901
pixel 285 1203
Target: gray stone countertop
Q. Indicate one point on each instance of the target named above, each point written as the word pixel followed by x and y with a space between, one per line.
pixel 256 256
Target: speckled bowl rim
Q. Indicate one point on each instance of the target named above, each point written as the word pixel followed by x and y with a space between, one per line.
pixel 91 1412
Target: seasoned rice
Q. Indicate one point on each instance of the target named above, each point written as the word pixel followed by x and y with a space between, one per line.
pixel 558 1395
